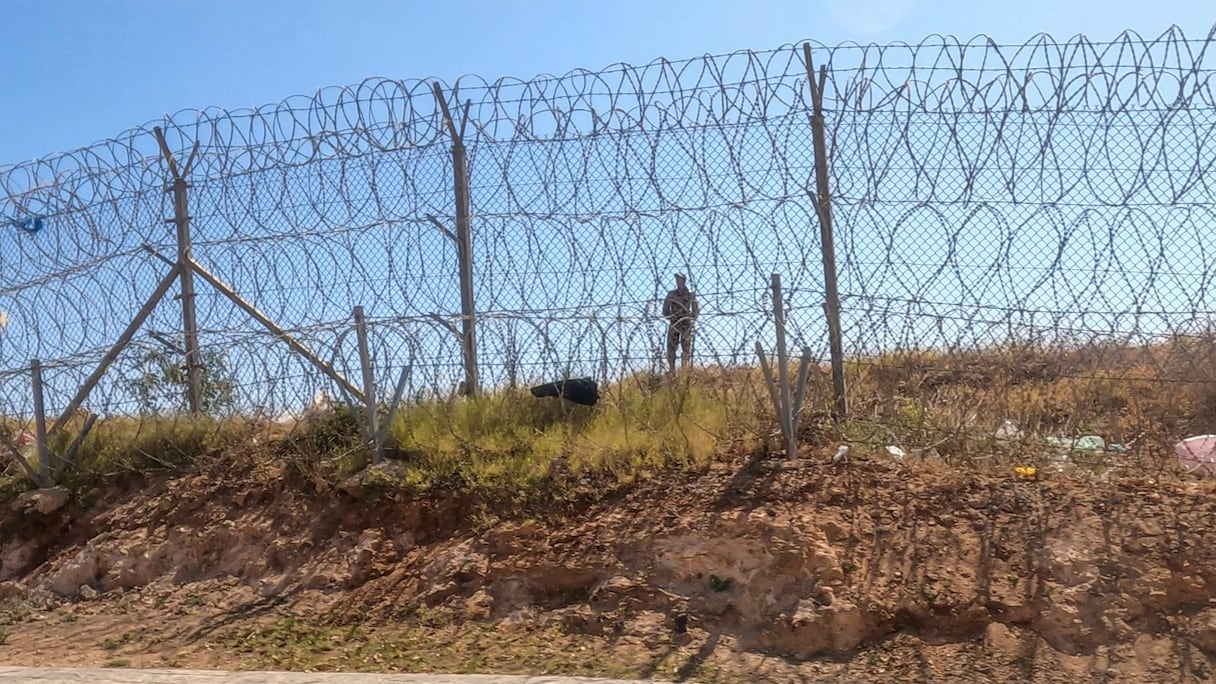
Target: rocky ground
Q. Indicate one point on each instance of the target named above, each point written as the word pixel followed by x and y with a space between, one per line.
pixel 869 571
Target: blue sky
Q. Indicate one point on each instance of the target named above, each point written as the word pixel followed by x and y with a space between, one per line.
pixel 73 72
pixel 77 72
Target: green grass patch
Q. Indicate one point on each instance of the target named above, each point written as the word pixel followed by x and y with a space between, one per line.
pixel 457 646
pixel 511 439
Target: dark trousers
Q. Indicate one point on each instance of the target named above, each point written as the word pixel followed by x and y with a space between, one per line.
pixel 679 336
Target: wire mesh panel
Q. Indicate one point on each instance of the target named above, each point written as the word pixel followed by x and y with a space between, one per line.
pixel 1021 236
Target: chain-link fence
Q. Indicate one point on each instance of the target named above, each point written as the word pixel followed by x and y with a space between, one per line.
pixel 1021 234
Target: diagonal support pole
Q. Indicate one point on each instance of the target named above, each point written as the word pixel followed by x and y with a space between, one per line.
pixel 30 472
pixel 270 325
pixel 382 436
pixel 771 383
pixel 787 402
pixel 445 323
pixel 123 340
pixel 443 229
pixel 804 370
pixel 69 456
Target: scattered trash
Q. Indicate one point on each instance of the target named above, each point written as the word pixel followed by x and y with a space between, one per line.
pixel 1064 447
pixel 718 584
pixel 1008 431
pixel 1088 443
pixel 897 453
pixel 842 453
pixel 1028 472
pixel 30 224
pixel 1197 455
pixel 583 391
pixel 320 404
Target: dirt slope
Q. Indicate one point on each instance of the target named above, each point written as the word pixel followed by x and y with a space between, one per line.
pixel 751 571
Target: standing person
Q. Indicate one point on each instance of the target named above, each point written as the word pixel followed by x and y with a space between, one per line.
pixel 680 308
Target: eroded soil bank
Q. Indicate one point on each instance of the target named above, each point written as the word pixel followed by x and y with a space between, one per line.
pixel 748 571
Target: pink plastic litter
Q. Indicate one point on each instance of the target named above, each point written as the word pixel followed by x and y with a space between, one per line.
pixel 1197 455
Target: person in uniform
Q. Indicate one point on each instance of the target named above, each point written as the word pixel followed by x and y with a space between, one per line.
pixel 680 308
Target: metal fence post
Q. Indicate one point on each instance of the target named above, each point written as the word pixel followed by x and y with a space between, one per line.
pixel 823 209
pixel 464 241
pixel 369 386
pixel 181 218
pixel 783 370
pixel 45 467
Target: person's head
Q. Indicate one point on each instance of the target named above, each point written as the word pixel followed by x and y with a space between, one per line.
pixel 680 281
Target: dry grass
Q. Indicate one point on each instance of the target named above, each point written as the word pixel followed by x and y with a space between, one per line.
pixel 951 405
pixel 942 406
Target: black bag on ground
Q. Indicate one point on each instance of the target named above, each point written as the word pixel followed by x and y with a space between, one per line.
pixel 583 391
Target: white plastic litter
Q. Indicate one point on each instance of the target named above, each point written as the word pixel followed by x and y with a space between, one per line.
pixel 1008 431
pixel 1197 455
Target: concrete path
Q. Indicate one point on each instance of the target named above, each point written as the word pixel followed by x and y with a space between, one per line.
pixel 38 675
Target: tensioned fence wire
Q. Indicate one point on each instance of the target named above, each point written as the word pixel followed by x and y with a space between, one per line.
pixel 1053 191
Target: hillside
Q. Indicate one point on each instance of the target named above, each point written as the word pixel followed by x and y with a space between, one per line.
pixel 740 569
